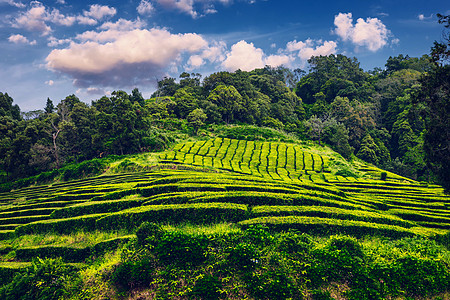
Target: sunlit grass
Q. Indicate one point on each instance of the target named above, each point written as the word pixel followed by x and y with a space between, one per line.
pixel 213 229
pixel 77 240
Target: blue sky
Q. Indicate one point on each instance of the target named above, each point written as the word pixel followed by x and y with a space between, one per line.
pixel 60 47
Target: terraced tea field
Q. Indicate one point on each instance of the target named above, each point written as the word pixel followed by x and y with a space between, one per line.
pixel 283 186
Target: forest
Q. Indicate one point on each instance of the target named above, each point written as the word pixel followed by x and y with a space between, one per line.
pixel 395 117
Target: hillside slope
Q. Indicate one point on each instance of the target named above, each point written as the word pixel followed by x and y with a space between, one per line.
pixel 279 186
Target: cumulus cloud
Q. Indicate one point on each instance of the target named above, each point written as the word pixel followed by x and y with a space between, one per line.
pixel 50 82
pixel 278 60
pixel 13 3
pixel 189 6
pixel 98 12
pixel 305 50
pixel 130 58
pixel 370 33
pixel 246 57
pixel 20 39
pixel 123 25
pixel 145 8
pixel 213 53
pixel 53 41
pixel 95 13
pixel 186 6
pixel 38 17
pixel 34 19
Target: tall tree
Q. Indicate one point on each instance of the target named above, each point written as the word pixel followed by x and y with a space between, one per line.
pixel 435 93
pixel 228 101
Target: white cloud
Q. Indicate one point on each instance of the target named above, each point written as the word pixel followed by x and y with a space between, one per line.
pixel 14 3
pixel 189 6
pixel 422 17
pixel 370 33
pixel 186 6
pixel 145 8
pixel 50 82
pixel 215 52
pixel 34 19
pixel 194 62
pixel 61 1
pixel 37 17
pixel 123 25
pixel 305 50
pixel 98 12
pixel 20 39
pixel 53 41
pixel 278 60
pixel 125 58
pixel 246 57
pixel 83 20
pixel 56 17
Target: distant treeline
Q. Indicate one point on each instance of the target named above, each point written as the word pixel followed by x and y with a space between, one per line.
pixel 395 117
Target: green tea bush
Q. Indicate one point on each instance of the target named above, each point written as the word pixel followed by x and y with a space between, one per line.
pixel 181 249
pixel 324 226
pixel 95 207
pixel 292 242
pixel 337 260
pixel 44 279
pixel 207 287
pixel 68 254
pixel 243 256
pixel 270 285
pixel 420 276
pixel 197 213
pixel 134 274
pixel 63 226
pixel 148 233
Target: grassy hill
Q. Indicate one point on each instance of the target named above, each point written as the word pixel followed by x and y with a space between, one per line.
pixel 230 219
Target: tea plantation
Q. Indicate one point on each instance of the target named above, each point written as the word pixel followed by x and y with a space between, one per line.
pixel 228 219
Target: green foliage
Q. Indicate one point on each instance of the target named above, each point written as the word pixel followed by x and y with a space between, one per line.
pixel 369 150
pixel 134 274
pixel 271 285
pixel 197 213
pixel 181 249
pixel 148 233
pixel 207 287
pixel 44 279
pixel 196 119
pixel 243 257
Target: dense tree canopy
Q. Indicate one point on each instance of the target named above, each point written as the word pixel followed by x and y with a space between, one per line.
pixel 392 117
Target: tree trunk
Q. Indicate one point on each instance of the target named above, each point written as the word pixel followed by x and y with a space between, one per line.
pixel 55 135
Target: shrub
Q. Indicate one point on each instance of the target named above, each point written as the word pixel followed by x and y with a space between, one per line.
pixel 181 249
pixel 383 176
pixel 133 274
pixel 420 276
pixel 243 256
pixel 207 287
pixel 44 279
pixel 271 285
pixel 148 233
pixel 295 243
pixel 339 259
